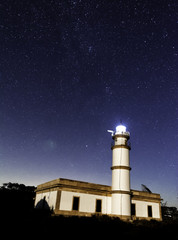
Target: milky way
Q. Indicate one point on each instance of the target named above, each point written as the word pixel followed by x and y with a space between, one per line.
pixel 70 70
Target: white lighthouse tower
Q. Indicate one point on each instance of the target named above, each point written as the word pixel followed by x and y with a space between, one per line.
pixel 121 200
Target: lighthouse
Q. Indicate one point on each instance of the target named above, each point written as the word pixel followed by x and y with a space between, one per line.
pixel 77 198
pixel 120 190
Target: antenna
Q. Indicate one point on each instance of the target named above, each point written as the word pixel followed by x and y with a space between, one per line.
pixel 145 189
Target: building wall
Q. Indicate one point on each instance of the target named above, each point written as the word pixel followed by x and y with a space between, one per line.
pixel 121 180
pixel 46 200
pixel 121 204
pixel 141 208
pixel 120 157
pixel 120 140
pixel 58 195
pixel 87 202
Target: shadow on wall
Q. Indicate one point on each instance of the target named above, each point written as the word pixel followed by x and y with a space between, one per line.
pixel 42 204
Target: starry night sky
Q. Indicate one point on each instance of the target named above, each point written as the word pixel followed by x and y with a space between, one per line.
pixel 70 70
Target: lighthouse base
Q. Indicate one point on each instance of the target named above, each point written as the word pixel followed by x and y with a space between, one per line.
pixel 121 205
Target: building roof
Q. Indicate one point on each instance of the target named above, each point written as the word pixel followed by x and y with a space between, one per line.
pixel 92 188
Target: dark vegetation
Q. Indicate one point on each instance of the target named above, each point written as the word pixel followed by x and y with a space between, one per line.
pixel 20 219
pixel 16 198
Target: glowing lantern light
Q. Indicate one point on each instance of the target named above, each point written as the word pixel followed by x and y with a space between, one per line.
pixel 120 129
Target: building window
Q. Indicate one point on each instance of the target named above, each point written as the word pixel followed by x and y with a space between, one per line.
pixel 133 212
pixel 98 205
pixel 149 211
pixel 75 205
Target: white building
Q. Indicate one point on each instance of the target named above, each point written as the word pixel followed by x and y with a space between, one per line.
pixel 70 197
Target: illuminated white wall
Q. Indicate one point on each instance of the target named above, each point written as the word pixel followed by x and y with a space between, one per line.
pixel 120 157
pixel 120 141
pixel 141 208
pixel 121 179
pixel 50 198
pixel 87 202
pixel 121 204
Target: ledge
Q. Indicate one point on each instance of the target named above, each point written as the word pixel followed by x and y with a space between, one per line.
pixel 121 146
pixel 74 186
pixel 121 167
pixel 62 184
pixel 124 135
pixel 120 192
